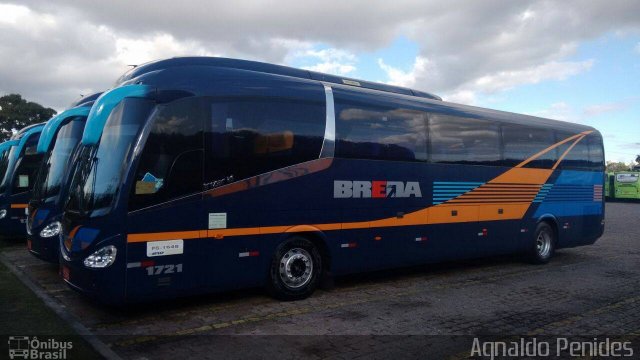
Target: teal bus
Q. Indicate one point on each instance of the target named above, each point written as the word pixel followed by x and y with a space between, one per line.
pixel 22 164
pixel 58 143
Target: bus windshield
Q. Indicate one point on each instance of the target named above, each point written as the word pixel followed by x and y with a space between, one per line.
pixel 98 174
pixel 4 162
pixel 12 154
pixel 57 161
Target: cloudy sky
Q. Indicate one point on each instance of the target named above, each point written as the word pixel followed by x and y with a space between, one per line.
pixel 577 61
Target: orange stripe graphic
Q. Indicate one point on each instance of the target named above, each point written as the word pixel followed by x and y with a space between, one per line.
pixel 518 185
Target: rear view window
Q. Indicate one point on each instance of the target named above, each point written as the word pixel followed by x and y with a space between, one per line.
pixel 596 152
pixel 627 178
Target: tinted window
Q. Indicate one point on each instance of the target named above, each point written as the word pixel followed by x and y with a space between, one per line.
pixel 522 142
pixel 578 156
pixel 98 172
pixel 251 136
pixel 627 178
pixel 56 163
pixel 596 152
pixel 461 140
pixel 3 161
pixel 380 133
pixel 28 165
pixel 170 165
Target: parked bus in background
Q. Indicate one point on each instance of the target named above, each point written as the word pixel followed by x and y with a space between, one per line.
pixel 16 184
pixel 626 185
pixel 609 185
pixel 58 142
pixel 5 148
pixel 208 174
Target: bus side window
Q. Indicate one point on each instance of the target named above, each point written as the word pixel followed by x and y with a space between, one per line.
pixel 170 164
pixel 522 142
pixel 464 141
pixel 380 132
pixel 251 136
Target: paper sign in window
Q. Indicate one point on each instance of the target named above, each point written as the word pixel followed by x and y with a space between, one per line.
pixel 23 181
pixel 145 187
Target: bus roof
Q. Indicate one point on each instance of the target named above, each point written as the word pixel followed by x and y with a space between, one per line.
pixel 8 144
pixel 267 68
pixel 24 130
pixel 51 127
pixel 82 100
pixel 207 68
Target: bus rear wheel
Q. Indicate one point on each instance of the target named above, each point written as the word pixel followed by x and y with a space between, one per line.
pixel 295 270
pixel 544 244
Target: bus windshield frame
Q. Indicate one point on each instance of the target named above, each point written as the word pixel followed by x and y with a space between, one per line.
pixel 97 177
pixel 12 157
pixel 57 161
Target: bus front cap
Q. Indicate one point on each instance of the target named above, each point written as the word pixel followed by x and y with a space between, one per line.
pixel 102 108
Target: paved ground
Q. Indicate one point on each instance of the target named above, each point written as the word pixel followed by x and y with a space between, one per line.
pixel 588 291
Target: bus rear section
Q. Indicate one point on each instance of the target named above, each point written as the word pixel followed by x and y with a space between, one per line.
pixel 58 144
pixel 16 185
pixel 252 179
pixel 627 185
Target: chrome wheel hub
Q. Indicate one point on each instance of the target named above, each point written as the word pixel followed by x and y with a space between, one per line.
pixel 296 268
pixel 543 244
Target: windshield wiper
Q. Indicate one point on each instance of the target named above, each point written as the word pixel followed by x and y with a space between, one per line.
pixel 76 194
pixel 39 191
pixel 94 164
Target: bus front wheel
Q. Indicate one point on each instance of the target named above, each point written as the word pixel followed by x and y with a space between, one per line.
pixel 295 269
pixel 544 244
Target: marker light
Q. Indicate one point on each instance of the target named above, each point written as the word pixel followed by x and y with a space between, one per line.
pixel 101 258
pixel 3 213
pixel 50 230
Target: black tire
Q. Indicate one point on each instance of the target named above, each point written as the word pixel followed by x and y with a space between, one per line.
pixel 299 258
pixel 543 244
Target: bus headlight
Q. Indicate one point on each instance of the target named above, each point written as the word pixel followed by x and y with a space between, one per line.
pixel 101 258
pixel 50 230
pixel 3 213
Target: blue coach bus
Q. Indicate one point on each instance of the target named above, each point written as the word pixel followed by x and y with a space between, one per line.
pixel 5 149
pixel 208 174
pixel 60 138
pixel 17 181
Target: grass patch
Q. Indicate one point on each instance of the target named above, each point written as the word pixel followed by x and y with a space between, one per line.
pixel 24 314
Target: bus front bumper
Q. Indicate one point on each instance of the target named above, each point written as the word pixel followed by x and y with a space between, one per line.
pixel 106 285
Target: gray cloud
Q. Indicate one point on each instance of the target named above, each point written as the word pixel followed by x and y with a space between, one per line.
pixel 489 38
pixel 63 48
